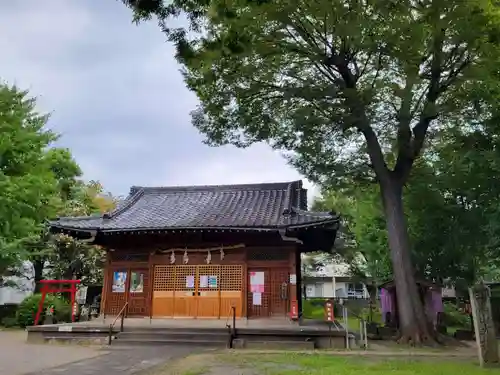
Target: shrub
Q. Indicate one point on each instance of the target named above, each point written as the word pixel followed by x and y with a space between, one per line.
pixel 28 307
pixel 455 318
pixel 375 314
pixel 313 309
pixel 9 321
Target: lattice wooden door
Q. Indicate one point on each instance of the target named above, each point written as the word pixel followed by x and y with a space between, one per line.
pixel 208 291
pixel 185 303
pixel 117 288
pixel 258 308
pixel 279 290
pixel 197 291
pixel 271 301
pixel 231 290
pixel 138 292
pixel 164 291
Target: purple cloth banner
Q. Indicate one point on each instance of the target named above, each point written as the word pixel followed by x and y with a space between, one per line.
pixel 386 304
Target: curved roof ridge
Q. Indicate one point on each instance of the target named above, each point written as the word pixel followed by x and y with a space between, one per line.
pixel 234 187
pixel 129 201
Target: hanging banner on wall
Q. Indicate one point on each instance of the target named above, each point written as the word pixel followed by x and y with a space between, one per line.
pixel 137 282
pixel 257 282
pixel 119 280
pixel 293 279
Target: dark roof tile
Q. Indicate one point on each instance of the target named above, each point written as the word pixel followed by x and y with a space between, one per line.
pixel 251 206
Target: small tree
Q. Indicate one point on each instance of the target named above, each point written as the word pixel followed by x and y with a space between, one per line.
pixel 348 87
pixel 27 185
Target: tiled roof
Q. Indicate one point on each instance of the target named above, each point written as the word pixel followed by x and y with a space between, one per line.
pixel 255 206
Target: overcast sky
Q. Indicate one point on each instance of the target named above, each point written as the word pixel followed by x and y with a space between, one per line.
pixel 117 97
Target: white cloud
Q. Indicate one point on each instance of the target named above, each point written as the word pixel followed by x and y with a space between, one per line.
pixel 118 98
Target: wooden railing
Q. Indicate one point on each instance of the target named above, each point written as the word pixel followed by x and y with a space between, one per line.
pixel 121 315
pixel 231 330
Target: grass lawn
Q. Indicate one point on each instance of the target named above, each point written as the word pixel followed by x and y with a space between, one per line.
pixel 241 363
pixel 314 311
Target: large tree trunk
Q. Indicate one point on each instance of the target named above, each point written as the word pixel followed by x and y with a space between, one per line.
pixel 413 324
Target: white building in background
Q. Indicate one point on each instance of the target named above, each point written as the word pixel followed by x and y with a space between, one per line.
pixel 333 281
pixel 334 287
pixel 24 286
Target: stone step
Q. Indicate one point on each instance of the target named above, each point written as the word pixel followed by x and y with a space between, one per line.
pixel 77 339
pixel 220 335
pixel 170 342
pixel 203 330
pixel 174 335
pixel 273 345
pixel 266 338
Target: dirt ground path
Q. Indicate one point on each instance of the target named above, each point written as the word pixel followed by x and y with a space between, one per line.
pixel 17 357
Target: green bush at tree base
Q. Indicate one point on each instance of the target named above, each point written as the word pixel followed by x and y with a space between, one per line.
pixel 453 317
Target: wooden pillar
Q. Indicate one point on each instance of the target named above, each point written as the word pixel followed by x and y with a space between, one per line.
pixel 296 267
pixel 294 278
pixel 105 284
pixel 151 277
pixel 244 306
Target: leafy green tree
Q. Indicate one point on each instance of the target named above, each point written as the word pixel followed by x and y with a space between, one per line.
pixel 27 185
pixel 348 88
pixel 363 224
pixel 451 205
pixel 60 256
pixel 466 166
pixel 67 256
pixel 38 183
pixel 66 173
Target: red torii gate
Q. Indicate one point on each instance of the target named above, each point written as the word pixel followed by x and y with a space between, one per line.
pixel 57 286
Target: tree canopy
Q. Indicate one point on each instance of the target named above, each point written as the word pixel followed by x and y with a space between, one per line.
pixel 39 182
pixel 27 185
pixel 350 89
pixel 452 205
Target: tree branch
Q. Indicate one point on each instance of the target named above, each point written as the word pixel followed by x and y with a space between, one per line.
pixel 375 153
pixel 406 156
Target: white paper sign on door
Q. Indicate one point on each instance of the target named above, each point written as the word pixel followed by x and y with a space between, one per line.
pixel 257 299
pixel 190 282
pixel 257 282
pixel 203 281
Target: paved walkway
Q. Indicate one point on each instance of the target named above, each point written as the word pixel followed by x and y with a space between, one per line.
pixel 19 358
pixel 120 361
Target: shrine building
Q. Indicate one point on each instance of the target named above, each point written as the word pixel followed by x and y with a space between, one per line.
pixel 194 252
